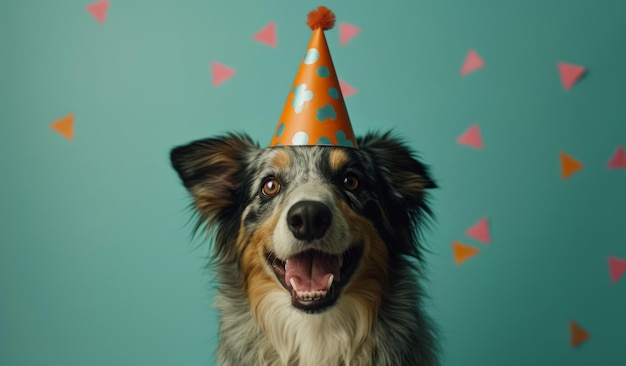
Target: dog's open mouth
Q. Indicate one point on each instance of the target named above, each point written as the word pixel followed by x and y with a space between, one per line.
pixel 315 278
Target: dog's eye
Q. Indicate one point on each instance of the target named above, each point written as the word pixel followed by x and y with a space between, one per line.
pixel 351 182
pixel 271 186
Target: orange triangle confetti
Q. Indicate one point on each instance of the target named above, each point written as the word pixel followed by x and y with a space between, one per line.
pixel 472 63
pixel 577 334
pixel 64 126
pixel 569 74
pixel 221 73
pixel 480 231
pixel 267 35
pixel 463 252
pixel 347 32
pixel 99 10
pixel 569 165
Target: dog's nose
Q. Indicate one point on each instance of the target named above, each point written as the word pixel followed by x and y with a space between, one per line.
pixel 309 220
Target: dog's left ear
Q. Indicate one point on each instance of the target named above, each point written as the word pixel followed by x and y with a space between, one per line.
pixel 407 176
pixel 403 183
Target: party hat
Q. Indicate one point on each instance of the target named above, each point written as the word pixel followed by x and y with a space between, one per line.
pixel 315 112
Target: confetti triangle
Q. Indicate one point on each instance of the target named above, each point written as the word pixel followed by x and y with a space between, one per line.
pixel 618 161
pixel 267 35
pixel 471 137
pixel 347 32
pixel 463 252
pixel 64 126
pixel 570 74
pixel 569 165
pixel 346 89
pixel 480 231
pixel 617 268
pixel 577 334
pixel 472 63
pixel 221 73
pixel 99 10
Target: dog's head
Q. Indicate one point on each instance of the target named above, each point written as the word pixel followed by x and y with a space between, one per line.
pixel 313 224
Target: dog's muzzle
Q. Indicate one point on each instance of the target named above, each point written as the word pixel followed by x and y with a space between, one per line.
pixel 313 276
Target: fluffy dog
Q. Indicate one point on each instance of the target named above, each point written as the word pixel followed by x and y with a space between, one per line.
pixel 316 250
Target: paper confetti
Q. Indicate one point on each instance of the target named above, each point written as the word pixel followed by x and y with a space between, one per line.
pixel 569 74
pixel 618 161
pixel 346 89
pixel 99 10
pixel 463 252
pixel 480 231
pixel 472 63
pixel 64 126
pixel 347 32
pixel 617 268
pixel 471 137
pixel 267 35
pixel 221 73
pixel 569 165
pixel 577 334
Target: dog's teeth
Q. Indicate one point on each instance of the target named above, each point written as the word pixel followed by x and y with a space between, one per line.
pixel 330 282
pixel 293 284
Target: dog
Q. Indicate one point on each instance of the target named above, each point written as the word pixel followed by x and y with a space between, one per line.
pixel 317 249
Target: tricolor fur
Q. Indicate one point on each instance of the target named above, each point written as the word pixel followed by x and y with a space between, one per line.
pixel 305 216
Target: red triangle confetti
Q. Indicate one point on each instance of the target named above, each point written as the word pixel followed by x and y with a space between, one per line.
pixel 267 35
pixel 617 268
pixel 99 10
pixel 569 165
pixel 472 63
pixel 480 231
pixel 618 161
pixel 221 73
pixel 570 74
pixel 346 89
pixel 347 32
pixel 471 137
pixel 64 126
pixel 463 252
pixel 578 335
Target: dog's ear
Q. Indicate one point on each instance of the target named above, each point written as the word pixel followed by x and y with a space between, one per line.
pixel 211 170
pixel 404 180
pixel 407 176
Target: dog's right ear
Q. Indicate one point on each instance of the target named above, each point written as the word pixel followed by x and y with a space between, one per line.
pixel 212 170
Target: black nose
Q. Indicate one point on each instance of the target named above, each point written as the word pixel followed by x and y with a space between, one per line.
pixel 309 220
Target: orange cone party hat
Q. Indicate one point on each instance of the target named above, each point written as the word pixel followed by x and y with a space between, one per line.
pixel 315 112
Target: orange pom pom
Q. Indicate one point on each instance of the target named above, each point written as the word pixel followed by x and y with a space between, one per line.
pixel 321 17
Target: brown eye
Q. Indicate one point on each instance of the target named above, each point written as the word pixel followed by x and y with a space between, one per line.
pixel 351 182
pixel 271 187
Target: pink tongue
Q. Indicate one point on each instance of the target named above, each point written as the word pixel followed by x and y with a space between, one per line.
pixel 311 271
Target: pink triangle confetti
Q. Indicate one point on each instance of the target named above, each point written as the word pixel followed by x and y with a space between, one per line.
pixel 267 35
pixel 570 74
pixel 347 32
pixel 471 137
pixel 346 89
pixel 472 63
pixel 221 73
pixel 480 231
pixel 617 268
pixel 618 161
pixel 99 10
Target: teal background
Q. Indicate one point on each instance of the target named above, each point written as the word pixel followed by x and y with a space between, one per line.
pixel 97 264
